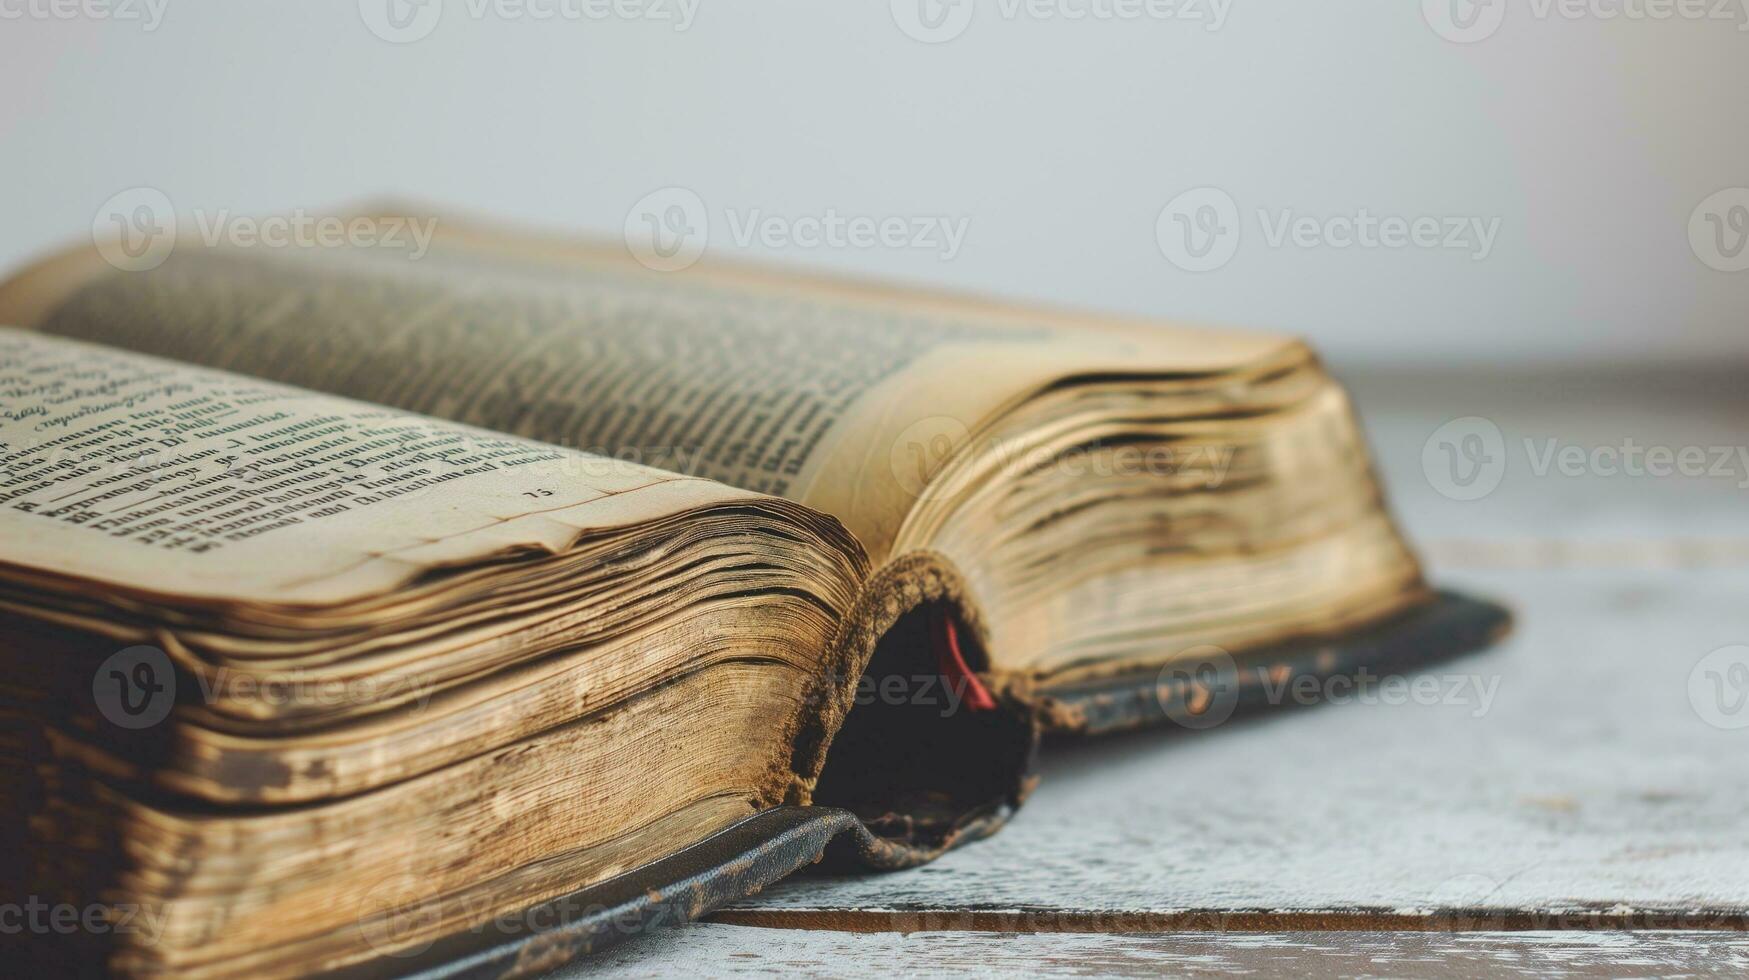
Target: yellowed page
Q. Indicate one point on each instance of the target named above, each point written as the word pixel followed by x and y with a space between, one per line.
pixel 161 479
pixel 823 392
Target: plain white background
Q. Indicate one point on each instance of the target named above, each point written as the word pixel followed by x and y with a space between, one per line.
pixel 1585 134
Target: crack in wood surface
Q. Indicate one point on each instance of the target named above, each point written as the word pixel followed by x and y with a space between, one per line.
pixel 1048 920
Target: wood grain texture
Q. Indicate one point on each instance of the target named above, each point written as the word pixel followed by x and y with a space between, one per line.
pixel 724 950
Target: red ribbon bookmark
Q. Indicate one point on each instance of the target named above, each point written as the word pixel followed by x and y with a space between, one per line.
pixel 954 668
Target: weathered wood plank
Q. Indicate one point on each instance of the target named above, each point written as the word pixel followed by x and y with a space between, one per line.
pixel 1567 770
pixel 724 950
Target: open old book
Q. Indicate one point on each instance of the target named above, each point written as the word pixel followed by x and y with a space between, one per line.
pixel 367 615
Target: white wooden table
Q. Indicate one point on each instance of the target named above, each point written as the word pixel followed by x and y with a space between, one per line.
pixel 1575 802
